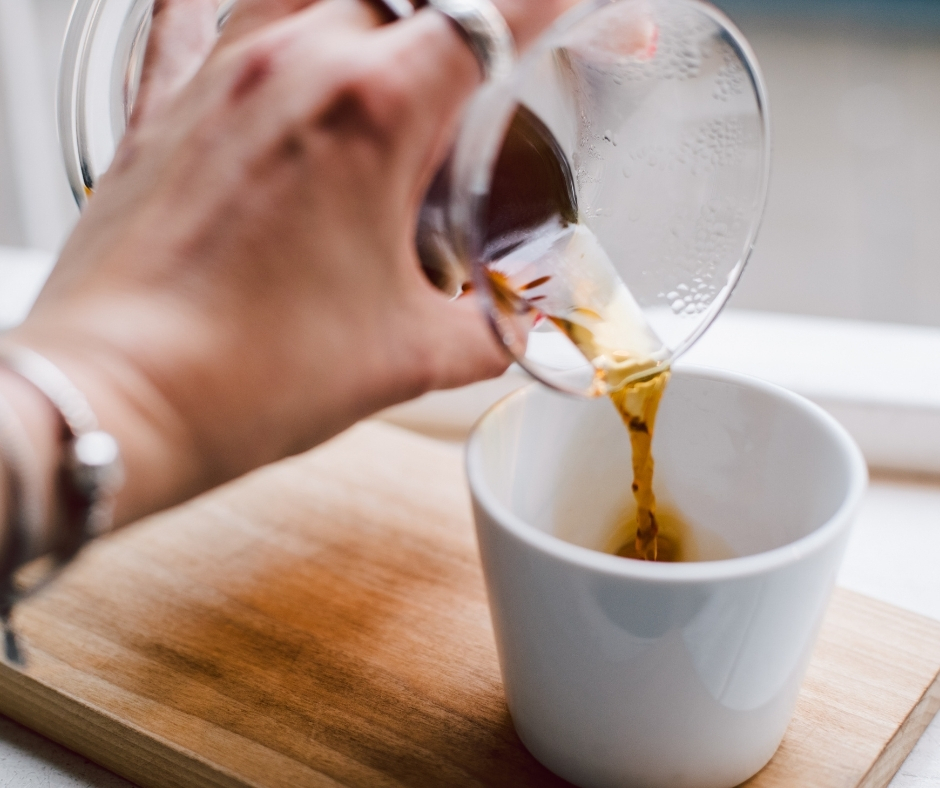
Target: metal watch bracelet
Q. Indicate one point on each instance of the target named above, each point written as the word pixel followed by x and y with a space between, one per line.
pixel 87 480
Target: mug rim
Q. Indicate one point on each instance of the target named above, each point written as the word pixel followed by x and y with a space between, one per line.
pixel 684 572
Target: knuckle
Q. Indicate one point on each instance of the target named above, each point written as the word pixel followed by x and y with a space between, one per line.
pixel 374 100
pixel 253 66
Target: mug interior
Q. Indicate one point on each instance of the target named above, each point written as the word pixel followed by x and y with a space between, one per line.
pixel 748 462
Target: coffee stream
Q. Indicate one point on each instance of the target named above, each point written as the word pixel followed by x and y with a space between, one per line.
pixel 637 404
pixel 547 265
pixel 637 401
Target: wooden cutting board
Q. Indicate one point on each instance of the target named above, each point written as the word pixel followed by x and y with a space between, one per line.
pixel 323 622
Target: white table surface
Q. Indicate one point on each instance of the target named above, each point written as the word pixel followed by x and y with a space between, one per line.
pixel 904 572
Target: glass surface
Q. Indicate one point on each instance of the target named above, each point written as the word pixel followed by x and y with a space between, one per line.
pixel 98 80
pixel 659 109
pixel 608 192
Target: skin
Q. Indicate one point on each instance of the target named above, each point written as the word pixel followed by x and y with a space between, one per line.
pixel 244 284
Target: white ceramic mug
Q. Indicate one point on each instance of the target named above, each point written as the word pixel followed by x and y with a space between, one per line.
pixel 626 673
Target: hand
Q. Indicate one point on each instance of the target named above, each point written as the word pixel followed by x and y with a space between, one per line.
pixel 244 284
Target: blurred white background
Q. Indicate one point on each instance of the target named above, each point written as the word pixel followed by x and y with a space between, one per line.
pixel 852 227
pixel 36 207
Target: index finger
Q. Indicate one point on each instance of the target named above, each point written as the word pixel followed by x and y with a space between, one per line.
pixel 526 18
pixel 182 33
pixel 250 15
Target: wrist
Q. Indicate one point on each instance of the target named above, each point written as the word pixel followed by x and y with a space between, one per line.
pixel 156 471
pixel 41 429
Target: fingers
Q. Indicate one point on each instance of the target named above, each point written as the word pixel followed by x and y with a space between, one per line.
pixel 182 34
pixel 184 31
pixel 251 15
pixel 435 73
pixel 394 91
pixel 431 56
pixel 528 18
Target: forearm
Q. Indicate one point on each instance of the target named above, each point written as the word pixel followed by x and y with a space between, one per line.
pixel 39 475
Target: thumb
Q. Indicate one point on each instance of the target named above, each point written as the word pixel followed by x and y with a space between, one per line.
pixel 467 348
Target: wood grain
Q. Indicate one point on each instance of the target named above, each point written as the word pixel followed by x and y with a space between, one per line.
pixel 323 622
